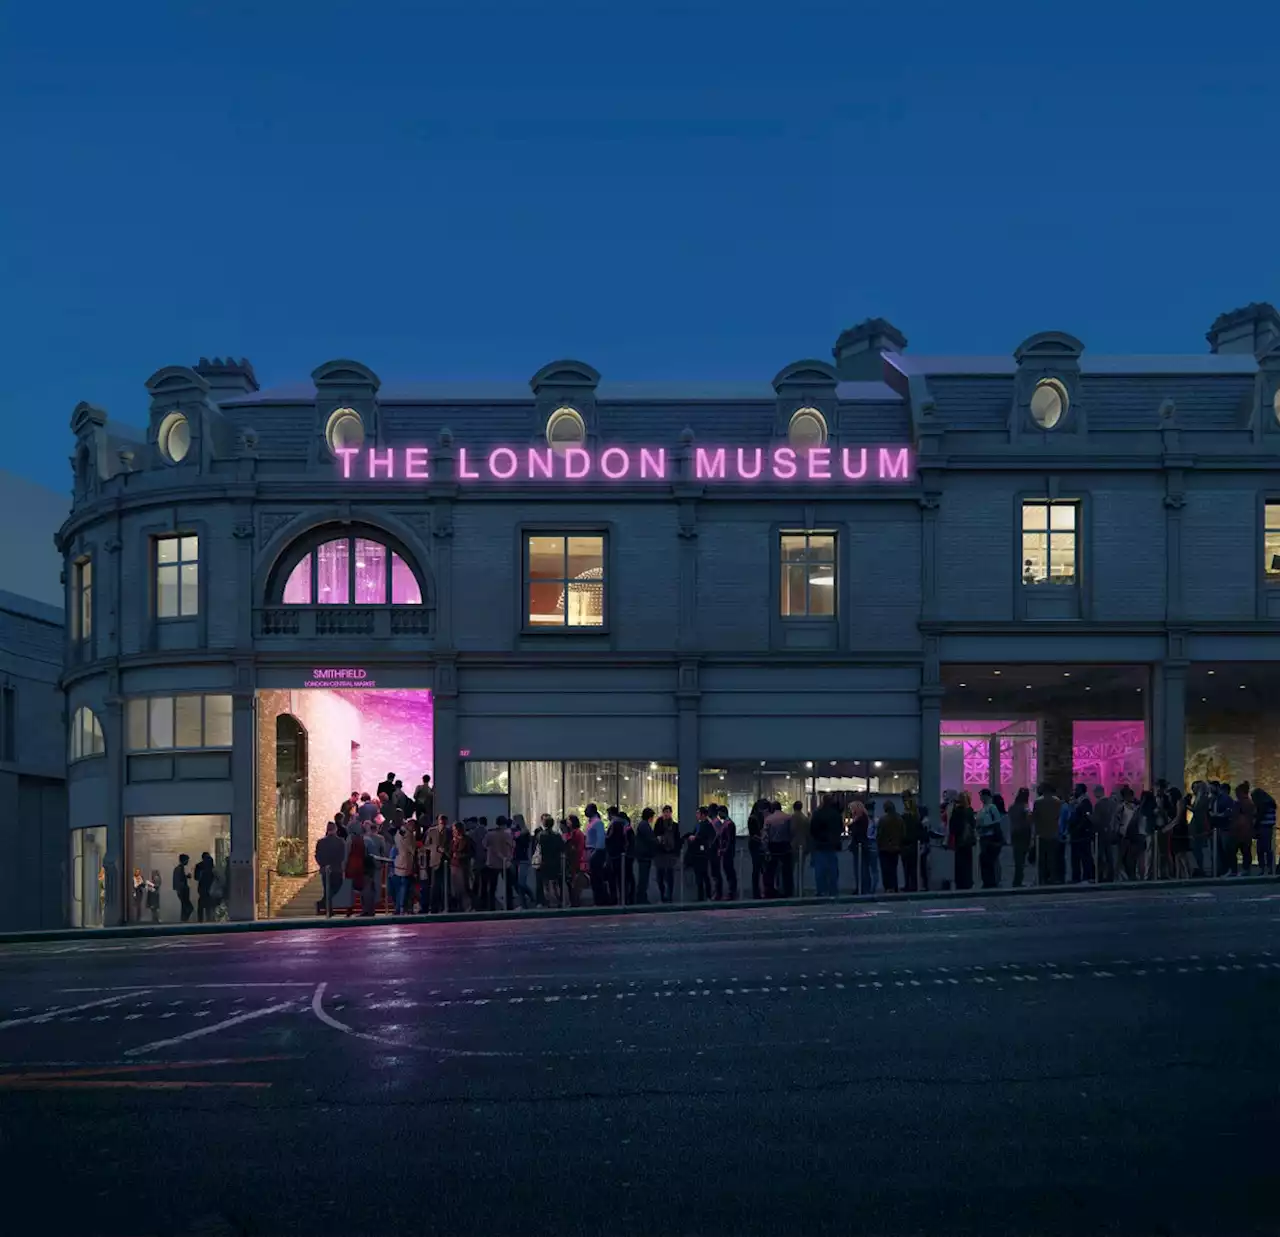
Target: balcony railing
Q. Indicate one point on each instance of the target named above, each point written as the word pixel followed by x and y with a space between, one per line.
pixel 343 622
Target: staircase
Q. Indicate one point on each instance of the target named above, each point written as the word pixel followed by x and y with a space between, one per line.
pixel 301 904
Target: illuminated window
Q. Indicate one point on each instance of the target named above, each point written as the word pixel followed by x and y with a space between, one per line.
pixel 177 576
pixel 175 437
pixel 1049 403
pixel 564 580
pixel 161 723
pixel 1275 403
pixel 1049 542
pixel 81 599
pixel 351 570
pixel 1271 539
pixel 808 428
pixel 86 735
pixel 344 429
pixel 566 428
pixel 808 587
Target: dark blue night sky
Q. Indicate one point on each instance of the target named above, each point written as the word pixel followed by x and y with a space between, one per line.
pixel 699 190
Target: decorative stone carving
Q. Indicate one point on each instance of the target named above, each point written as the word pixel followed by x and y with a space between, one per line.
pixel 243 532
pixel 270 522
pixel 1175 502
pixel 930 502
pixel 113 545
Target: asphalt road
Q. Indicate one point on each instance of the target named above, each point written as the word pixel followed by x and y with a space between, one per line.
pixel 1051 1064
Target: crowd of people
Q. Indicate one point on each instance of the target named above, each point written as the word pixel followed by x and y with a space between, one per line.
pixel 429 864
pixel 1162 833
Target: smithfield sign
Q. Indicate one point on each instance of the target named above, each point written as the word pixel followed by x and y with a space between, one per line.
pixel 846 465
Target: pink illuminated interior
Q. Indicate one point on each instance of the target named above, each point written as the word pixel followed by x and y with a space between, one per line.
pixel 332 566
pixel 1106 753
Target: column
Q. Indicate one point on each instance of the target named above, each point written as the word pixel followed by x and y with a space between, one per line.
pixel 1054 754
pixel 114 910
pixel 444 735
pixel 688 757
pixel 244 807
pixel 1170 707
pixel 931 750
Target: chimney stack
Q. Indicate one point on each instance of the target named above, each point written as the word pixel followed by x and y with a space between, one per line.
pixel 227 378
pixel 858 350
pixel 1249 331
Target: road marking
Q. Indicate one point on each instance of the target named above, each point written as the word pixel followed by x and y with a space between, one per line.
pixel 123 1084
pixel 70 1009
pixel 210 1030
pixel 284 983
pixel 317 1008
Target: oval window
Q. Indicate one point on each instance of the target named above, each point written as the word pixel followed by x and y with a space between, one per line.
pixel 175 437
pixel 345 430
pixel 808 428
pixel 565 428
pixel 1048 403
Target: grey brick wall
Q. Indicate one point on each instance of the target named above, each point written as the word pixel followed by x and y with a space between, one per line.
pixel 1220 540
pixel 1128 551
pixel 977 552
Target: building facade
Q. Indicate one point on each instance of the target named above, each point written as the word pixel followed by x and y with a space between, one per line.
pixel 879 574
pixel 35 886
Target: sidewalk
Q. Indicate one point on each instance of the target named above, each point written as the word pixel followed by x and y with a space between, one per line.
pixel 290 925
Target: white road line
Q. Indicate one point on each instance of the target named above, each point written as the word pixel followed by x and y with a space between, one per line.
pixel 210 1030
pixel 317 1008
pixel 283 983
pixel 70 1009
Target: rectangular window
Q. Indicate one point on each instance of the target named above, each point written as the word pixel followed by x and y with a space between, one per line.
pixel 82 599
pixel 808 585
pixel 1049 536
pixel 486 777
pixel 564 580
pixel 1271 541
pixel 162 723
pixel 177 576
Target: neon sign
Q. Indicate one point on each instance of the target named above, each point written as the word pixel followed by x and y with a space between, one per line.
pixel 843 465
pixel 339 676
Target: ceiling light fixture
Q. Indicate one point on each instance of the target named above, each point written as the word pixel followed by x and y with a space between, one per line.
pixel 996 673
pixel 1213 672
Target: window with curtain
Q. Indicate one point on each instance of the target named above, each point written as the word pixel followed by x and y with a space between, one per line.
pixel 351 571
pixel 86 735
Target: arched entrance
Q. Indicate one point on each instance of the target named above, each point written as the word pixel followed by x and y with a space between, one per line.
pixel 291 796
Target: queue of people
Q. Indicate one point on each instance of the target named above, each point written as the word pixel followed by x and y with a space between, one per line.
pixel 389 848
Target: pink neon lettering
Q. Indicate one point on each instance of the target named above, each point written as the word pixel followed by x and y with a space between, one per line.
pixel 415 463
pixel 784 464
pixel 742 467
pixel 579 456
pixel 621 463
pixel 709 465
pixel 819 463
pixel 862 464
pixel 375 463
pixel 346 453
pixel 540 462
pixel 655 460
pixel 463 472
pixel 893 468
pixel 508 456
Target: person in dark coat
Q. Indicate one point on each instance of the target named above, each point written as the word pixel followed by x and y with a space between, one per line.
pixel 824 835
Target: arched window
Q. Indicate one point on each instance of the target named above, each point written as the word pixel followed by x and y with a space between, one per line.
pixel 351 570
pixel 86 735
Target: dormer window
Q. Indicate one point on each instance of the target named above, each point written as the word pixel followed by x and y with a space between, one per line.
pixel 566 428
pixel 344 430
pixel 1049 403
pixel 174 438
pixel 1275 404
pixel 808 428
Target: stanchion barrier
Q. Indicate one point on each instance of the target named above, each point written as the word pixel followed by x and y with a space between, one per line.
pixel 268 893
pixel 328 891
